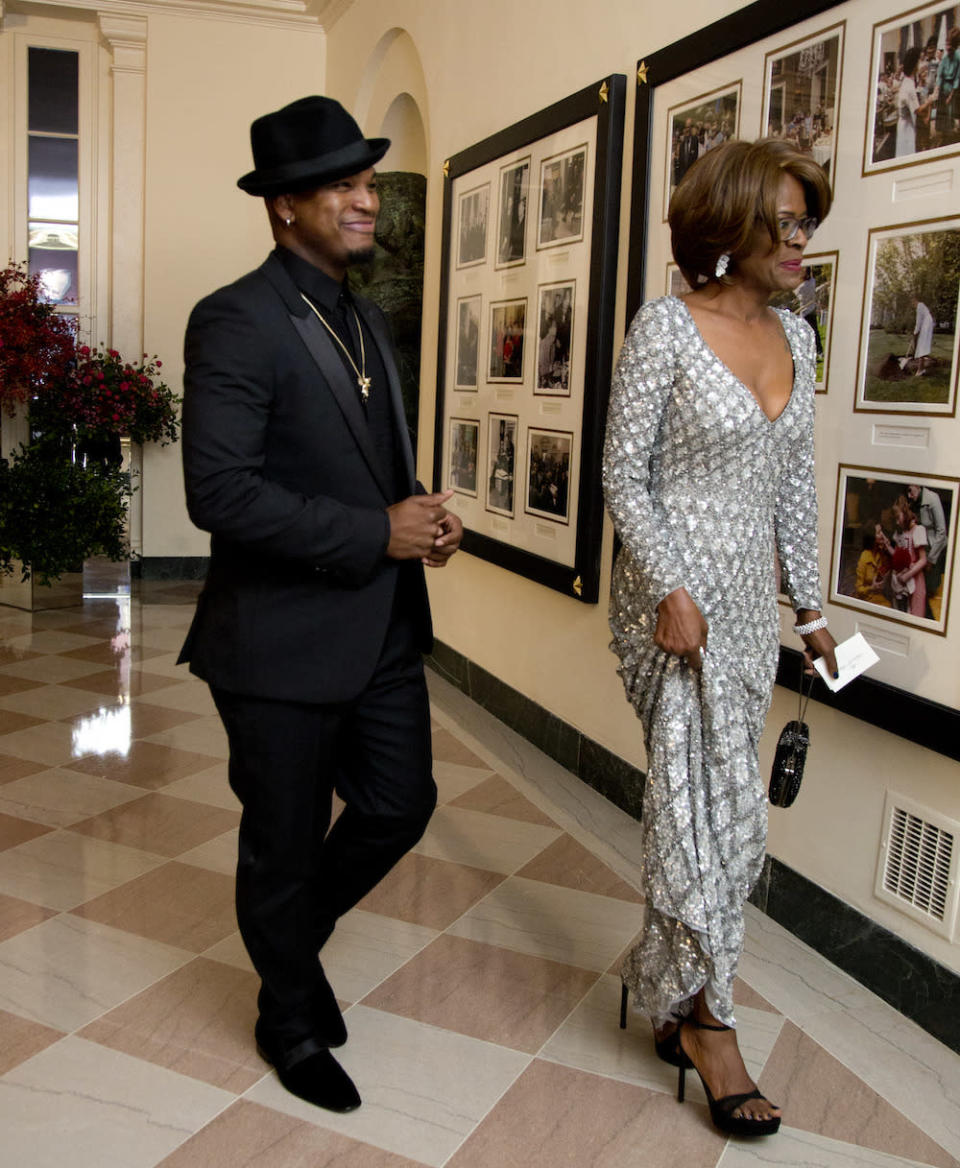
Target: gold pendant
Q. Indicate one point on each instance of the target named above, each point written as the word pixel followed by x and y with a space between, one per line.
pixel 364 383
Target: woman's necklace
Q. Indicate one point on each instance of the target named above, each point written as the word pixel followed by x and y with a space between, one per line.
pixel 363 381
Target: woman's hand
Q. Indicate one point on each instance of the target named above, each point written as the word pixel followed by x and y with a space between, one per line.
pixel 681 628
pixel 818 644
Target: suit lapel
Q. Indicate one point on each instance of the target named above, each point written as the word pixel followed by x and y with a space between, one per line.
pixel 374 323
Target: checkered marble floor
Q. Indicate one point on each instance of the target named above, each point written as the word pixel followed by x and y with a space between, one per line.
pixel 478 980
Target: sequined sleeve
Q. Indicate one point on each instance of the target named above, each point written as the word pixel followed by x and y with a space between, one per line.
pixel 796 506
pixel 641 388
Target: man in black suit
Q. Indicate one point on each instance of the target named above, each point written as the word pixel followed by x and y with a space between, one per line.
pixel 314 614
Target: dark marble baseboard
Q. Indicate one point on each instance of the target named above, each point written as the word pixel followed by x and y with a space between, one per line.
pixel 169 567
pixel 910 981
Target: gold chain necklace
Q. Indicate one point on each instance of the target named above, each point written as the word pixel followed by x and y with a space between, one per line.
pixel 363 381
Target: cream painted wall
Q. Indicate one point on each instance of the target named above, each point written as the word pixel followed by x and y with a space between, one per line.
pixel 206 82
pixel 551 648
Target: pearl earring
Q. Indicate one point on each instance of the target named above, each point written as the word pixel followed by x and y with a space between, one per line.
pixel 287 222
pixel 722 264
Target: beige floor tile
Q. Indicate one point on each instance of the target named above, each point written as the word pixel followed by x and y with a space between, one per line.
pixel 561 924
pixel 569 864
pixel 68 971
pixel 198 1020
pixel 495 994
pixel 157 823
pixel 148 765
pixel 13 768
pixel 12 721
pixel 484 841
pixel 15 830
pixel 819 1094
pixel 166 665
pixel 50 743
pixel 58 797
pixel 62 869
pixel 423 1089
pixel 111 683
pixel 206 786
pixel 20 1039
pixel 217 855
pixel 14 685
pixel 167 639
pixel 10 655
pixel 204 736
pixel 555 1115
pixel 50 669
pixel 83 1105
pixel 794 1148
pixel 231 951
pixel 51 641
pixel 258 1137
pixel 18 915
pixel 496 796
pixel 453 780
pixel 191 696
pixel 429 892
pixel 744 995
pixel 148 716
pixel 53 702
pixel 448 748
pixel 177 904
pixel 103 653
pixel 366 948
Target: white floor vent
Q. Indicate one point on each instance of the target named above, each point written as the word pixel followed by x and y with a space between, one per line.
pixel 918 863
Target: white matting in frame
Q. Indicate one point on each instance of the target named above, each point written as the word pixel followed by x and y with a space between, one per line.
pixel 801 94
pixel 675 284
pixel 464 456
pixel 894 542
pixel 696 126
pixel 473 214
pixel 908 332
pixel 549 455
pixel 562 189
pixel 894 139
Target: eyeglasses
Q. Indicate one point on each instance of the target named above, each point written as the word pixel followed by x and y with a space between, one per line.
pixel 788 227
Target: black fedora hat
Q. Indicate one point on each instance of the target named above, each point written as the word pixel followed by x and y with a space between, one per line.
pixel 307 143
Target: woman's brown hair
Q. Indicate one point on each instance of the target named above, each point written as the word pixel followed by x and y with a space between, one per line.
pixel 727 192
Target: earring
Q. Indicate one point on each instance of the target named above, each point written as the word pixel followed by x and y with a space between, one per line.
pixel 287 222
pixel 722 264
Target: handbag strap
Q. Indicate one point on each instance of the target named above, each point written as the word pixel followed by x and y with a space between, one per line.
pixel 803 699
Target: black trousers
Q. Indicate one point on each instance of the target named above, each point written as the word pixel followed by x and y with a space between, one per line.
pixel 294 877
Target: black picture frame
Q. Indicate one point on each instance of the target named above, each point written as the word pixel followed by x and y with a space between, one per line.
pixel 605 101
pixel 878 703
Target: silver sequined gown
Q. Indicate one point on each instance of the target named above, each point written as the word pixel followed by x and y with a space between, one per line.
pixel 705 491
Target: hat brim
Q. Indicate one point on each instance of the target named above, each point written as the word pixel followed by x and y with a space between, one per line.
pixel 312 172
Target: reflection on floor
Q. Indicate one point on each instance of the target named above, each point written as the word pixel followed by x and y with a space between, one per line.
pixel 478 980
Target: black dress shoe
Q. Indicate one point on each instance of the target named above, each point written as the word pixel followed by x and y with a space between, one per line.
pixel 316 1076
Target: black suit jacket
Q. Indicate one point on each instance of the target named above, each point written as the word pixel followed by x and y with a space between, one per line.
pixel 280 469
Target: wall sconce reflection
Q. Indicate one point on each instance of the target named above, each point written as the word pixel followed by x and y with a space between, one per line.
pixel 108 731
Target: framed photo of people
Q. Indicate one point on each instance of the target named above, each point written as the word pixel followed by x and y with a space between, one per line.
pixel 697 126
pixel 526 337
pixel 870 90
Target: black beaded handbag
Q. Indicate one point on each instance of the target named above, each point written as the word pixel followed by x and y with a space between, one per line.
pixel 791 753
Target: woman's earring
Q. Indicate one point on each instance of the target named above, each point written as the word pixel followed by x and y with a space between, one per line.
pixel 287 222
pixel 722 264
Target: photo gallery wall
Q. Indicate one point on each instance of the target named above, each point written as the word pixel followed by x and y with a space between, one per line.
pixel 871 91
pixel 526 339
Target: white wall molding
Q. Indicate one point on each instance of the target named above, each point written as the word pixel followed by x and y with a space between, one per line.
pixel 126 37
pixel 278 13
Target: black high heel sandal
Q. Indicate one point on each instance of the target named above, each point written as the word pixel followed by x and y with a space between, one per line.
pixel 667 1048
pixel 721 1110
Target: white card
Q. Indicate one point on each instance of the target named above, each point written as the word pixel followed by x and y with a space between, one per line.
pixel 853 656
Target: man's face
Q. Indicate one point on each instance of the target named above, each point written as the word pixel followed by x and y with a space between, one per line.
pixel 333 225
pixel 913 492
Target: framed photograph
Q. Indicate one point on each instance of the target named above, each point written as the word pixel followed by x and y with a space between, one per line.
pixel 514 196
pixel 468 342
pixel 908 329
pixel 801 94
pixel 508 323
pixel 676 285
pixel 913 114
pixel 543 305
pixel 548 474
pixel 893 545
pixel 885 256
pixel 554 337
pixel 697 126
pixel 501 463
pixel 813 301
pixel 464 448
pixel 561 198
pixel 474 209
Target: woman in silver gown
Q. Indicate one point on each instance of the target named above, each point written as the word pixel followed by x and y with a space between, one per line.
pixel 708 474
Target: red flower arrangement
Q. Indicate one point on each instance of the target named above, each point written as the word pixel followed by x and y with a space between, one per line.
pixel 36 342
pixel 104 395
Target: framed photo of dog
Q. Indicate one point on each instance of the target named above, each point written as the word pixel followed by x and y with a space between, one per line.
pixel 870 89
pixel 526 337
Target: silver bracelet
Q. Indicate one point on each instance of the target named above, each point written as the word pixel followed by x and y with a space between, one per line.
pixel 810 626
